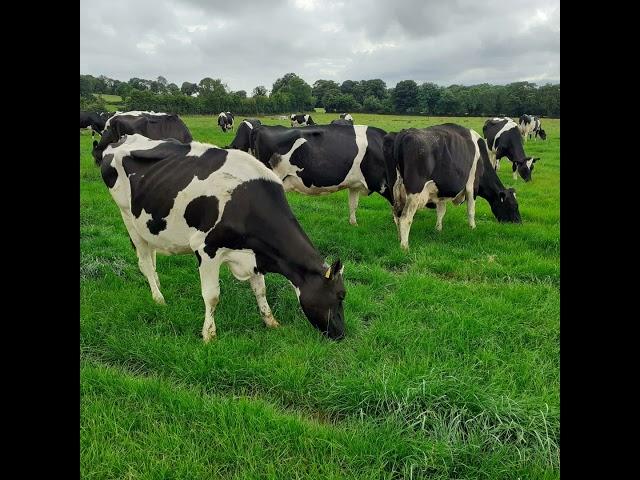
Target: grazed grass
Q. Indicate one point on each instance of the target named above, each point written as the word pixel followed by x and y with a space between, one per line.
pixel 450 367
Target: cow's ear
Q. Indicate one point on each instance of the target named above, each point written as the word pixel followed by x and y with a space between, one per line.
pixel 535 159
pixel 334 270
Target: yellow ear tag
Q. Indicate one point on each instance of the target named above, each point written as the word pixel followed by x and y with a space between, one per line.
pixel 328 273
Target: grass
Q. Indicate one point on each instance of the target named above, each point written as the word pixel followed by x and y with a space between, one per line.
pixel 113 102
pixel 450 366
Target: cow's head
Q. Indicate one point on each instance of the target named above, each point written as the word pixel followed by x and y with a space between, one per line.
pixel 321 298
pixel 505 206
pixel 525 167
pixel 97 153
pixel 542 134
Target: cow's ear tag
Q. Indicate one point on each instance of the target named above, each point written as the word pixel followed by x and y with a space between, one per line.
pixel 327 274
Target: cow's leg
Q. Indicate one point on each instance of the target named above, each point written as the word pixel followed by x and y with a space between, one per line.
pixel 353 205
pixel 515 171
pixel 210 284
pixel 441 209
pixel 471 207
pixel 260 291
pixel 155 268
pixel 145 262
pixel 414 201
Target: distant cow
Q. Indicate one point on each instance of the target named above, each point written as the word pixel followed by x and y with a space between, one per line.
pixel 346 116
pixel 537 130
pixel 503 139
pixel 156 126
pixel 441 163
pixel 93 121
pixel 242 140
pixel 326 158
pixel 525 125
pixel 300 120
pixel 223 206
pixel 225 121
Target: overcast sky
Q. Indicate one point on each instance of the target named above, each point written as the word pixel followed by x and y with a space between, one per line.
pixel 252 42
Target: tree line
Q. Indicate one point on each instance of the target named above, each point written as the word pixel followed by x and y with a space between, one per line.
pixel 291 93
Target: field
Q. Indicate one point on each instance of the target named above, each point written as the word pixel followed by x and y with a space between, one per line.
pixel 113 102
pixel 449 369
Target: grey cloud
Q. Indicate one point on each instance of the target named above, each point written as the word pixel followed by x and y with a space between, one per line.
pixel 253 42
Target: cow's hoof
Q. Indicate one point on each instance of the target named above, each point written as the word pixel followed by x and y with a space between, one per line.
pixel 353 222
pixel 159 300
pixel 208 336
pixel 271 323
pixel 404 247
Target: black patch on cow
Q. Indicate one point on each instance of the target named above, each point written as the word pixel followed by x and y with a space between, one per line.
pixel 158 174
pixel 373 165
pixel 202 213
pixel 109 174
pixel 156 225
pixel 198 257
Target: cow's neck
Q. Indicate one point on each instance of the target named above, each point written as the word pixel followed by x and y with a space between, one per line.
pixel 490 185
pixel 291 255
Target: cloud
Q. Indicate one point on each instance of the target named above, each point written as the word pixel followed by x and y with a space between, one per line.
pixel 253 42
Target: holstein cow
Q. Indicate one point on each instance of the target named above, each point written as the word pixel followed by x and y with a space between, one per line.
pixel 93 121
pixel 224 207
pixel 503 140
pixel 346 116
pixel 525 125
pixel 537 130
pixel 156 126
pixel 300 120
pixel 225 121
pixel 242 140
pixel 431 166
pixel 326 158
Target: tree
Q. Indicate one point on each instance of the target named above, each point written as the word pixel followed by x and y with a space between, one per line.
pixel 162 81
pixel 86 88
pixel 259 91
pixel 375 87
pixel 189 88
pixel 341 102
pixel 213 87
pixel 298 90
pixel 241 93
pixel 372 104
pixel 173 89
pixel 428 96
pixel 321 88
pixel 405 98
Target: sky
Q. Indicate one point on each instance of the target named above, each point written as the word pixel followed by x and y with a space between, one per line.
pixel 247 43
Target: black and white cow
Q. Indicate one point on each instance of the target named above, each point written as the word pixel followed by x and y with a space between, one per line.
pixel 224 207
pixel 326 158
pixel 242 140
pixel 504 140
pixel 525 125
pixel 441 163
pixel 301 120
pixel 156 126
pixel 346 116
pixel 93 121
pixel 225 121
pixel 537 130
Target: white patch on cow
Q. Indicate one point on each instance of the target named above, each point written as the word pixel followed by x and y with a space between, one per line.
pixel 348 117
pixel 222 114
pixel 295 289
pixel 529 163
pixel 197 149
pixel 248 124
pixel 284 169
pixel 306 119
pixel 132 113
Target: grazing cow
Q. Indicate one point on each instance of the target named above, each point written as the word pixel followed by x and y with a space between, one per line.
pixel 224 207
pixel 503 139
pixel 346 116
pixel 93 121
pixel 225 121
pixel 242 140
pixel 301 120
pixel 156 126
pixel 440 163
pixel 326 158
pixel 341 121
pixel 525 125
pixel 537 130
